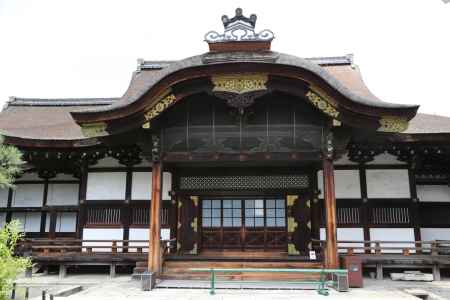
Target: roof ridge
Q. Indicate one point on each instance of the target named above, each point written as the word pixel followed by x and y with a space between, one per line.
pixel 95 101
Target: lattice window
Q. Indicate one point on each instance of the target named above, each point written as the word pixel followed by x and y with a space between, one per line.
pixel 390 215
pixel 103 215
pixel 347 215
pixel 244 182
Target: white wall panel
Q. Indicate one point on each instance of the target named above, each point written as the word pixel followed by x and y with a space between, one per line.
pixel 432 234
pixel 433 193
pixel 2 219
pixel 4 197
pixel 28 195
pixel 139 234
pixel 347 234
pixel 106 186
pixel 65 222
pixel 393 234
pixel 108 162
pixel 62 194
pixel 167 185
pixel 141 188
pixel 347 184
pixel 386 159
pixel 388 183
pixel 344 161
pixel 29 221
pixel 102 234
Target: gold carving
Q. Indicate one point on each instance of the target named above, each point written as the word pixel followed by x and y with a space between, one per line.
pixel 322 104
pixel 194 200
pixel 393 124
pixel 159 107
pixel 94 129
pixel 308 203
pixel 291 200
pixel 194 224
pixel 292 250
pixel 194 249
pixel 308 225
pixel 292 224
pixel 239 83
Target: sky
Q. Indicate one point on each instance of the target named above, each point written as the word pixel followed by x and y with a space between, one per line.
pixel 66 48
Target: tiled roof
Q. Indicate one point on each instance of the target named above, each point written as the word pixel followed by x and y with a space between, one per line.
pixel 50 119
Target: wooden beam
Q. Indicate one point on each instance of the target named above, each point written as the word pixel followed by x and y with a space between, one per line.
pixel 331 255
pixel 154 254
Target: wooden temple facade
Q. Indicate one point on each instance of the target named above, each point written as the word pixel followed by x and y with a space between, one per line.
pixel 240 150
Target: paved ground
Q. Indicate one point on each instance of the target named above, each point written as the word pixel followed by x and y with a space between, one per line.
pixel 100 287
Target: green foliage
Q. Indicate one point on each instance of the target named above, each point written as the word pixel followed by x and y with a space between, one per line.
pixel 10 164
pixel 10 265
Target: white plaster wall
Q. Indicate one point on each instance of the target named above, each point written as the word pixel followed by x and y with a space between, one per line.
pixel 2 219
pixel 106 186
pixel 167 185
pixel 108 162
pixel 28 195
pixel 393 234
pixel 388 183
pixel 141 187
pixel 139 234
pixel 102 234
pixel 4 197
pixel 347 184
pixel 62 194
pixel 433 193
pixel 347 234
pixel 65 222
pixel 386 159
pixel 29 221
pixel 432 234
pixel 344 161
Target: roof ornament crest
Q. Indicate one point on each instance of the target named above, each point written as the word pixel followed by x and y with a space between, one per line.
pixel 239 28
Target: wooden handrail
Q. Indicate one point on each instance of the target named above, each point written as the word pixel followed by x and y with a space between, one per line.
pixel 378 247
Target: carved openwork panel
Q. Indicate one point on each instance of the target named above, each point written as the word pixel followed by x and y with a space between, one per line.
pixel 244 182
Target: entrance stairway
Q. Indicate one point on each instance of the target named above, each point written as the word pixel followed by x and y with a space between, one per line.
pixel 179 269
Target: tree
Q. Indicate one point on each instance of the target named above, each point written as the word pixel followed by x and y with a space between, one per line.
pixel 10 164
pixel 10 265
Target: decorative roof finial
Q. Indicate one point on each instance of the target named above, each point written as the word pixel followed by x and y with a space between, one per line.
pixel 239 28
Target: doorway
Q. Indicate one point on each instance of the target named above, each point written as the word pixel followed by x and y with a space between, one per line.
pixel 243 223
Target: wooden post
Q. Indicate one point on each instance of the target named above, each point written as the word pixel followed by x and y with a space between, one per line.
pixel 331 255
pixel 154 254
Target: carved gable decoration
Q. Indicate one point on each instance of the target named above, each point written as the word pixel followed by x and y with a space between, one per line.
pixel 240 90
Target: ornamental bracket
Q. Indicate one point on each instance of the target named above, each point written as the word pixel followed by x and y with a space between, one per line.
pixel 239 90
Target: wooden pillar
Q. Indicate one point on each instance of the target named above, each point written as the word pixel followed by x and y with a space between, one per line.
pixel 331 255
pixel 154 254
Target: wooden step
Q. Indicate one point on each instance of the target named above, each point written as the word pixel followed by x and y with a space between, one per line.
pixel 181 270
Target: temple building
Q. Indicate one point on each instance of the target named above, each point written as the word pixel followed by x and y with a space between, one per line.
pixel 239 152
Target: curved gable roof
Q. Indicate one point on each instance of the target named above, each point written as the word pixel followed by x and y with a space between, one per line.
pixel 145 82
